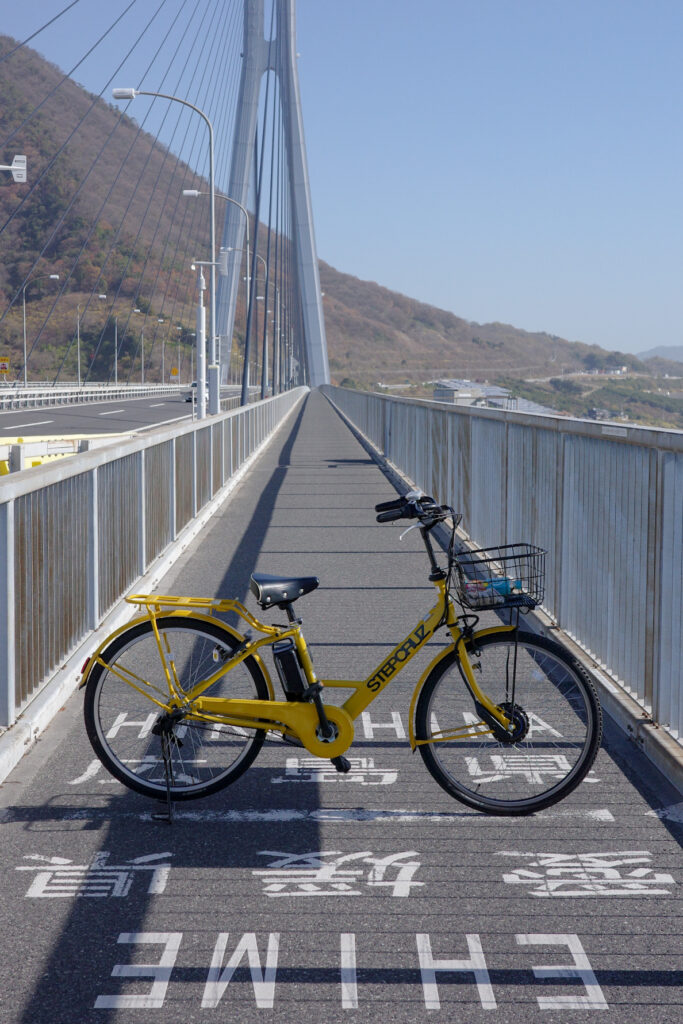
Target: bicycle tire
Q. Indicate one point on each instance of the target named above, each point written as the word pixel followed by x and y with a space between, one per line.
pixel 552 755
pixel 119 720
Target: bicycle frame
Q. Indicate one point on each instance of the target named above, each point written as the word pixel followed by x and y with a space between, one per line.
pixel 298 719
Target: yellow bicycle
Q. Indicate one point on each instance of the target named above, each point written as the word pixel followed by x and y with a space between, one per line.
pixel 178 703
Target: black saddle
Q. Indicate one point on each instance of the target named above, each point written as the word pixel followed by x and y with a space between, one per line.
pixel 279 591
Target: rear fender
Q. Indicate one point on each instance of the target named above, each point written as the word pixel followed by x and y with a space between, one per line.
pixel 179 614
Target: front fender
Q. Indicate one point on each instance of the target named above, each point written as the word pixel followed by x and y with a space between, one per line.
pixel 177 614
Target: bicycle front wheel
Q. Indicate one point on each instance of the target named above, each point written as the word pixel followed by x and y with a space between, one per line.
pixel 203 756
pixel 556 714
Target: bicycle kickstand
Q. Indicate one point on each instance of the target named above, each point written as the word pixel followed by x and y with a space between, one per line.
pixel 168 774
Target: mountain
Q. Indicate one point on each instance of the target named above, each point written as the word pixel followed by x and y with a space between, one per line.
pixel 671 353
pixel 118 225
pixel 375 334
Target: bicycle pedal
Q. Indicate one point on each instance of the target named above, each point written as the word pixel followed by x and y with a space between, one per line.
pixel 342 764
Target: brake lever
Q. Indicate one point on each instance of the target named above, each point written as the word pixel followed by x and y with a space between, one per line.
pixel 413 527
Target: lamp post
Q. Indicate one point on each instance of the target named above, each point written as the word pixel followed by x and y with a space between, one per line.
pixel 195 194
pixel 130 94
pixel 201 347
pixel 136 309
pixel 116 351
pixel 160 320
pixel 52 277
pixel 177 380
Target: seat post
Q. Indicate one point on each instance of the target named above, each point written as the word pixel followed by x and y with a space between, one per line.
pixel 289 608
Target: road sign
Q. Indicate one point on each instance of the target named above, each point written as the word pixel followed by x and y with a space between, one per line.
pixel 4 365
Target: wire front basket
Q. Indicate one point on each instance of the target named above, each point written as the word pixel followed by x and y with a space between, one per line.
pixel 510 576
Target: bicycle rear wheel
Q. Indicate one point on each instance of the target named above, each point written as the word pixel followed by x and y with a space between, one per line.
pixel 556 711
pixel 204 756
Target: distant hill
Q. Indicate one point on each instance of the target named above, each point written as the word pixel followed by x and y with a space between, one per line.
pixel 671 353
pixel 373 334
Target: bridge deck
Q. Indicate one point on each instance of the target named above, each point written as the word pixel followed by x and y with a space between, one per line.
pixel 346 943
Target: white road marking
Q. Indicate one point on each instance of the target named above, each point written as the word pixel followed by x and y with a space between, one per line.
pixel 157 405
pixel 349 981
pixel 112 412
pixel 292 814
pixel 20 426
pixel 674 812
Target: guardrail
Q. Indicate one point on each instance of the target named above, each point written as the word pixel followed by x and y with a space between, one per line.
pixel 74 537
pixel 70 394
pixel 605 500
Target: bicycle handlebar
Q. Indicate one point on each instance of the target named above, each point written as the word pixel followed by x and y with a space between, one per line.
pixel 414 505
pixel 389 506
pixel 390 514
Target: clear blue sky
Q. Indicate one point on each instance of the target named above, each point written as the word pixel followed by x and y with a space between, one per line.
pixel 512 160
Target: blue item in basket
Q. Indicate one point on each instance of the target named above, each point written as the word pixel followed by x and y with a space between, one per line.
pixel 505 587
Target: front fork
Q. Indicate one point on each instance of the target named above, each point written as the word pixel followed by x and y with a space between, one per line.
pixel 494 715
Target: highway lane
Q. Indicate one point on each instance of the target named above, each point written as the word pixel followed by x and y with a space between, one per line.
pixel 107 417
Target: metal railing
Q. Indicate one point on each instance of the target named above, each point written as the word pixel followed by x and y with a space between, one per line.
pixel 605 500
pixel 33 395
pixel 77 535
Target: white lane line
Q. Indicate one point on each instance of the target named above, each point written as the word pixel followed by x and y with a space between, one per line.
pixel 112 412
pixel 157 405
pixel 20 426
pixel 320 814
pixel 332 814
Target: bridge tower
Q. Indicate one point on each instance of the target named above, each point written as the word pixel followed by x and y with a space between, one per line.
pixel 258 57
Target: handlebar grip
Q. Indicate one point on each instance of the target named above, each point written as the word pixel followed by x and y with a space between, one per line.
pixel 389 506
pixel 389 515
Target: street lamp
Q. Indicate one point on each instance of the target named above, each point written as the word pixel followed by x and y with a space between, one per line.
pixel 116 351
pixel 142 349
pixel 17 167
pixel 52 277
pixel 195 194
pixel 130 94
pixel 160 320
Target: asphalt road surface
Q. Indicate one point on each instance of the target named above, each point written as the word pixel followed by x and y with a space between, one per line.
pixel 300 895
pixel 110 417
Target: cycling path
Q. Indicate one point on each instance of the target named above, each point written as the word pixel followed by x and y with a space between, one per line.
pixel 302 895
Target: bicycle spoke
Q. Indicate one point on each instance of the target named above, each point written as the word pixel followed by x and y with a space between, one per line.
pixel 126 728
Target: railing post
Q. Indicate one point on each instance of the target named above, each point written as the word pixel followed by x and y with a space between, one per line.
pixel 563 515
pixel 173 484
pixel 653 583
pixel 7 684
pixel 17 458
pixel 142 517
pixel 211 443
pixel 195 489
pixel 93 597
